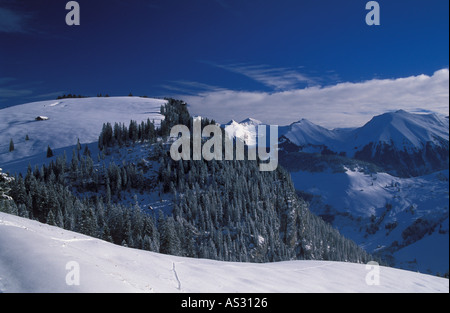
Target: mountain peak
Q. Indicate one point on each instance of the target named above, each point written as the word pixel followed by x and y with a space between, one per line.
pixel 405 128
pixel 231 122
pixel 250 121
pixel 304 121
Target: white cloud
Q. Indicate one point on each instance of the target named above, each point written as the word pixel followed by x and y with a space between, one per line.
pixel 342 105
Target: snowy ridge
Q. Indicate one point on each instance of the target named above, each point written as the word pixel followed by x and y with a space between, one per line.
pixel 34 259
pixel 405 130
pixel 304 133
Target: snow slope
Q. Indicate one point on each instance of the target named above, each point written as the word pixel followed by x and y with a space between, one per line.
pixel 69 120
pixel 354 201
pixel 36 257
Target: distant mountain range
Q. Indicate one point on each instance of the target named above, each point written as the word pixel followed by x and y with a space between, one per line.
pixel 402 143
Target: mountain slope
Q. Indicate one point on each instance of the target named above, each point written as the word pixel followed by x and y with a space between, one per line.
pixel 405 219
pixel 68 121
pixel 41 258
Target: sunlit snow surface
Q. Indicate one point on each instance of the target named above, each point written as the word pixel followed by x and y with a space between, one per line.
pixel 34 256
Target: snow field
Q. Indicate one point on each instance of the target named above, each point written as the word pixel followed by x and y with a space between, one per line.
pixel 34 257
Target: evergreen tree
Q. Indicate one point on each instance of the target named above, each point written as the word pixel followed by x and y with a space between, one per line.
pixel 49 152
pixel 170 242
pixel 11 145
pixel 5 182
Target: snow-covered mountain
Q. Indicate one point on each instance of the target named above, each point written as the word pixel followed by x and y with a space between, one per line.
pixel 403 143
pixel 304 133
pixel 37 257
pixel 247 130
pixel 406 131
pixel 310 137
pixel 68 120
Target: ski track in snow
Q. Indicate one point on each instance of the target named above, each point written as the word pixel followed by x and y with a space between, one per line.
pixel 176 276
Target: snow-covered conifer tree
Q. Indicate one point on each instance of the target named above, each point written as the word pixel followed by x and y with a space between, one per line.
pixel 4 182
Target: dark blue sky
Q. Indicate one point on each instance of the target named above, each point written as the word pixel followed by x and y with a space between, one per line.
pixel 177 47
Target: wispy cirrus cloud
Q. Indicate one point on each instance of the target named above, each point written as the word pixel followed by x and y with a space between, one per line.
pixel 9 88
pixel 50 95
pixel 189 87
pixel 12 89
pixel 12 21
pixel 276 78
pixel 8 92
pixel 346 104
